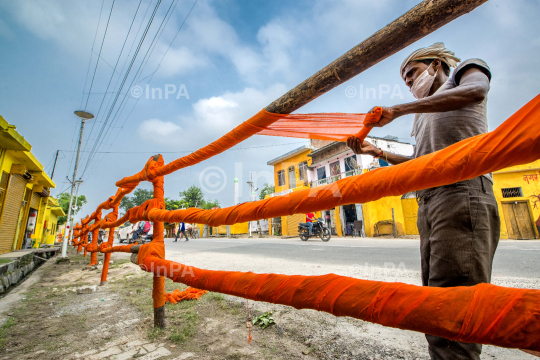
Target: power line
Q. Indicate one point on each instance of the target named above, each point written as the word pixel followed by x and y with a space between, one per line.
pixel 151 75
pixel 99 55
pixel 187 151
pixel 94 148
pixel 91 51
pixel 112 76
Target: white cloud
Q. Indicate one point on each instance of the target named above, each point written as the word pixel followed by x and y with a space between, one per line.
pixel 160 132
pixel 212 117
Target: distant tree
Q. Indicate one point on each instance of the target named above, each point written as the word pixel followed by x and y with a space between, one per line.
pixel 193 197
pixel 171 204
pixel 139 196
pixel 207 205
pixel 266 189
pixel 63 200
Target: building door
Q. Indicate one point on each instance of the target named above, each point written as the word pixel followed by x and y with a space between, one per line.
pixel 518 220
pixel 11 210
pixel 409 206
pixel 292 178
pixel 292 223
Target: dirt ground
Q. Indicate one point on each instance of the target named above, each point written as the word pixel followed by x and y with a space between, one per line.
pixel 52 321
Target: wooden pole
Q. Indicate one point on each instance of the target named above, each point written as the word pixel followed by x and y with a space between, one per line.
pixel 416 23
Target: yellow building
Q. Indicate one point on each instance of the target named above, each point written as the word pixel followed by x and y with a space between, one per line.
pixel 290 174
pixel 24 189
pixel 514 188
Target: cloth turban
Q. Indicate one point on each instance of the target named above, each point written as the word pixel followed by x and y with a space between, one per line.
pixel 435 51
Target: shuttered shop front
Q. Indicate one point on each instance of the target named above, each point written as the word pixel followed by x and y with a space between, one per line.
pixel 10 211
pixel 292 223
pixel 34 203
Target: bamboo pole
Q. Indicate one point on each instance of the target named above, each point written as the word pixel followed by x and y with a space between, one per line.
pixel 416 23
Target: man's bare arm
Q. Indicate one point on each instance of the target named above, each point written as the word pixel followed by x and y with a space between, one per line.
pixel 366 148
pixel 472 89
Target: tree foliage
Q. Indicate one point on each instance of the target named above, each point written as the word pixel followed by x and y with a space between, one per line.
pixel 139 196
pixel 63 200
pixel 266 189
pixel 193 196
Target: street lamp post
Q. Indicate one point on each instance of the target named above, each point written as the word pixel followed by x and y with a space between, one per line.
pixel 252 191
pixel 83 115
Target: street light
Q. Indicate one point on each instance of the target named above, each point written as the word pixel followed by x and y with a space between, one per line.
pixel 84 116
pixel 251 193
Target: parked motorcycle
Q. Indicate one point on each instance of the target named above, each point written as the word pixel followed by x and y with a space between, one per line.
pixel 319 229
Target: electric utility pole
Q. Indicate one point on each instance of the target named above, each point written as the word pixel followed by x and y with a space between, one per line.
pixel 83 115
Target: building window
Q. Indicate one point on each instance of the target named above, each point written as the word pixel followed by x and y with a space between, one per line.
pixel 350 163
pixel 321 173
pixel 512 192
pixel 302 171
pixel 292 178
pixel 335 168
pixel 281 177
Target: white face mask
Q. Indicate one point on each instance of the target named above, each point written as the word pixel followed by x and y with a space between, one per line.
pixel 423 83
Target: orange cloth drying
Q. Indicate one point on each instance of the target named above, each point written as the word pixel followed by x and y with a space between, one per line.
pixel 515 142
pixel 314 126
pixel 483 314
pixel 188 294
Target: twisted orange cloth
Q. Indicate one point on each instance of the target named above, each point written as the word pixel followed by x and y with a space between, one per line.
pixel 483 314
pixel 188 294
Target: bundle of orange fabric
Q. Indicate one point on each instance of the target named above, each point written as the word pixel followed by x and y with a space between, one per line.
pixel 188 294
pixel 483 314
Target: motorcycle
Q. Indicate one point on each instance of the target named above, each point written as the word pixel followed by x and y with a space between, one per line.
pixel 319 229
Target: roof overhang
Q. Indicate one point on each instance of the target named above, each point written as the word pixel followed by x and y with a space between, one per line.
pixel 58 211
pixel 10 139
pixel 289 155
pixel 34 167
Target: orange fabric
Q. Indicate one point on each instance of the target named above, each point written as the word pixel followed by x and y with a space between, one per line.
pixel 314 126
pixel 483 314
pixel 188 294
pixel 324 126
pixel 110 217
pixel 515 142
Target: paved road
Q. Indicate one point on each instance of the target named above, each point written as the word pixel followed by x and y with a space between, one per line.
pixel 512 259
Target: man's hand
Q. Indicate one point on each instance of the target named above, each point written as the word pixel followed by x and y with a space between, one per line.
pixel 389 114
pixel 365 148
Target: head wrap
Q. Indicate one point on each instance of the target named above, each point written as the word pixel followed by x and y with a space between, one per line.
pixel 435 51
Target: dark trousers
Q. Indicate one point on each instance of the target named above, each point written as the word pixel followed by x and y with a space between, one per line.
pixel 459 230
pixel 178 234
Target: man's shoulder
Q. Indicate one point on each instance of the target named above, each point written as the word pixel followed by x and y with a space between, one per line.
pixel 464 65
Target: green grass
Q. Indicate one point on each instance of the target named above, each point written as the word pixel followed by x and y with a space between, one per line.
pixel 5 261
pixel 187 329
pixel 118 263
pixel 4 330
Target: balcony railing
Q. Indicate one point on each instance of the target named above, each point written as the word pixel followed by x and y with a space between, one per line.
pixel 335 178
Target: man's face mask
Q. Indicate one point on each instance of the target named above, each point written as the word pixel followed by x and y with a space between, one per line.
pixel 423 83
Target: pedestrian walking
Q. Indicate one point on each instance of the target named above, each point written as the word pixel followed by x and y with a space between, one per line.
pixel 181 230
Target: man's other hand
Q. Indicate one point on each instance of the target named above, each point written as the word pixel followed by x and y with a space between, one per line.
pixel 365 148
pixel 388 115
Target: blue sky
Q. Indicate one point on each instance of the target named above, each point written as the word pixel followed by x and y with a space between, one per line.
pixel 231 58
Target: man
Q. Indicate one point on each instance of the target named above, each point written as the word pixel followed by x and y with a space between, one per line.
pixel 309 221
pixel 459 223
pixel 181 229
